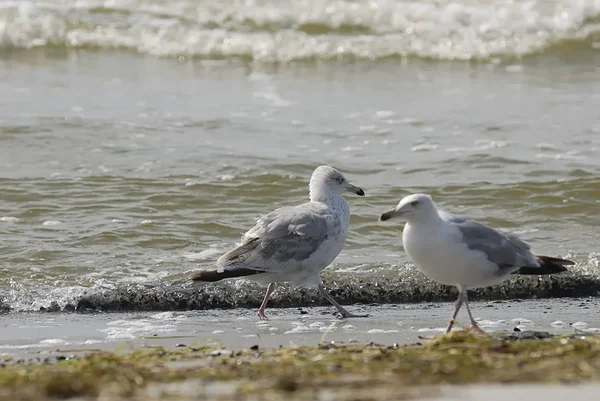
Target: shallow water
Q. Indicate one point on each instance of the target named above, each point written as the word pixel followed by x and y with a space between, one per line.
pixel 134 148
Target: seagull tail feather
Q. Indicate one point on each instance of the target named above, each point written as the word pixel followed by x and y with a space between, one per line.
pixel 214 275
pixel 548 265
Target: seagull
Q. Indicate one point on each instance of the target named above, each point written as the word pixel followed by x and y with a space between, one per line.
pixel 464 253
pixel 293 243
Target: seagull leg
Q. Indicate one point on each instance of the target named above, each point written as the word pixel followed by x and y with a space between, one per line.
pixel 462 296
pixel 473 322
pixel 339 307
pixel 261 310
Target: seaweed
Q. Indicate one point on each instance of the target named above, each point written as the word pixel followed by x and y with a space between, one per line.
pixel 345 372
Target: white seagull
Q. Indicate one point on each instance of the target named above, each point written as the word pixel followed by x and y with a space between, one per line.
pixel 293 243
pixel 463 253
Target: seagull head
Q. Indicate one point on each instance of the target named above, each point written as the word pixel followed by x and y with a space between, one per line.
pixel 327 180
pixel 411 208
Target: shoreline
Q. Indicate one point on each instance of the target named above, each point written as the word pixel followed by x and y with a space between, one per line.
pixel 387 288
pixel 39 335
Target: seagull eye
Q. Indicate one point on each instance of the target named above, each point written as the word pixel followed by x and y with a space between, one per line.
pixel 340 180
pixel 414 203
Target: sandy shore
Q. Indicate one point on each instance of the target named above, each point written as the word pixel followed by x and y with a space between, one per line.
pixel 38 335
pixel 222 354
pixel 498 392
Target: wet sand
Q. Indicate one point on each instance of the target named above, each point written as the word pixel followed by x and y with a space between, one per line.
pixel 45 338
pixel 41 335
pixel 499 392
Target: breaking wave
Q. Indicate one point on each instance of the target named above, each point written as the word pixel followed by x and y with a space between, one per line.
pixel 385 287
pixel 274 31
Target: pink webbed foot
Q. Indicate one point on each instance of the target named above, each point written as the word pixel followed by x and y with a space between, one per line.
pixel 261 315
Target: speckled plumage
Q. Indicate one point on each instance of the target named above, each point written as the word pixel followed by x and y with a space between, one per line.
pixel 293 243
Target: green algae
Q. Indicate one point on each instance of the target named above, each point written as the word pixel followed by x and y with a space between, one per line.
pixel 376 372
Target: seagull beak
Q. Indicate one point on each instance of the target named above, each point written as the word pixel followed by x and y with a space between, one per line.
pixel 390 214
pixel 355 190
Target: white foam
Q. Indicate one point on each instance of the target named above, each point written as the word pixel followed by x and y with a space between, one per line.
pixel 425 147
pixel 426 329
pixel 490 323
pixel 327 329
pixel 478 146
pixel 522 322
pixel 9 219
pixel 53 341
pixel 381 331
pixel 51 223
pixel 281 31
pixel 593 330
pixel 205 254
pixel 226 177
pixel 89 342
pixel 34 301
pixel 22 346
pixel 163 316
pixel 560 156
pixel 130 329
pixel 300 329
pixel 580 325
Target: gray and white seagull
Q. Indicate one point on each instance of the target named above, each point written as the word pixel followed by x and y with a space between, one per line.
pixel 463 253
pixel 293 243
